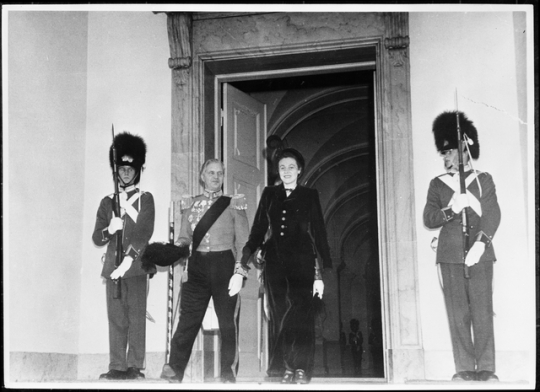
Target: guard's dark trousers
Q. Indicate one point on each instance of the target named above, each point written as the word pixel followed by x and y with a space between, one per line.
pixel 127 323
pixel 469 304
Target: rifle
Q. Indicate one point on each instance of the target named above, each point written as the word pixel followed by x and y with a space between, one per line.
pixel 117 294
pixel 463 190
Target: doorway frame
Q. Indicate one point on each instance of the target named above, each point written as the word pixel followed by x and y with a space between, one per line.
pixel 195 98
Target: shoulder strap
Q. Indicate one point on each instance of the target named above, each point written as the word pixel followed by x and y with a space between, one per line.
pixel 208 220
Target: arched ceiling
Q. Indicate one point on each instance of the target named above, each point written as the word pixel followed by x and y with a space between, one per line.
pixel 330 120
pixel 333 129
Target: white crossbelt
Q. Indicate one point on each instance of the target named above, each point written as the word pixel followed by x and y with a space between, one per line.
pixel 453 183
pixel 127 205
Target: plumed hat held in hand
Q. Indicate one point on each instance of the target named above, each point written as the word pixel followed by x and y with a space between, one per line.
pixel 445 132
pixel 163 255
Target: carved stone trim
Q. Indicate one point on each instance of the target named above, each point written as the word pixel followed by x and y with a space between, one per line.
pixel 397 39
pixel 179 29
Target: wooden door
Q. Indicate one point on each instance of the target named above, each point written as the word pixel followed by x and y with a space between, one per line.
pixel 244 136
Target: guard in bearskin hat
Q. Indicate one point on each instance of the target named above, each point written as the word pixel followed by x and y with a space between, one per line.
pixel 135 225
pixel 465 252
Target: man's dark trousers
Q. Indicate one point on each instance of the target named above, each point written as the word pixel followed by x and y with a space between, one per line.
pixel 470 302
pixel 208 276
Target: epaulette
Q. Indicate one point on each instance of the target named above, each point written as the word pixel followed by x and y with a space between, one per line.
pixel 238 202
pixel 186 201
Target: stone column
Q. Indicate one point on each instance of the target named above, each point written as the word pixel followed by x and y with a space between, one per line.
pixel 403 330
pixel 185 146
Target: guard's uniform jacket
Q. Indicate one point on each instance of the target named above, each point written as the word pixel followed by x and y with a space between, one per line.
pixel 138 212
pixel 483 216
pixel 469 301
pixel 294 230
pixel 210 269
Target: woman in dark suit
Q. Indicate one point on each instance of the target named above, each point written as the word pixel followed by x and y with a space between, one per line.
pixel 289 217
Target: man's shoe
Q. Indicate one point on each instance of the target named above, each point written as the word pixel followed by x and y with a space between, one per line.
pixel 486 375
pixel 134 374
pixel 169 374
pixel 113 374
pixel 464 376
pixel 300 377
pixel 287 377
pixel 175 380
pixel 228 379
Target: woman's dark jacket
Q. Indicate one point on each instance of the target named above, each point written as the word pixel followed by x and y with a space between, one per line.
pixel 296 225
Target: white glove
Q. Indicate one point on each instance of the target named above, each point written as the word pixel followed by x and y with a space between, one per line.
pixel 122 268
pixel 474 254
pixel 235 284
pixel 318 287
pixel 115 224
pixel 460 202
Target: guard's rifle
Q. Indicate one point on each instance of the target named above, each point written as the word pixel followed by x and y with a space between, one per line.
pixel 463 190
pixel 117 294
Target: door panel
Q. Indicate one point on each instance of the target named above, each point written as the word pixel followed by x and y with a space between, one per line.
pixel 244 135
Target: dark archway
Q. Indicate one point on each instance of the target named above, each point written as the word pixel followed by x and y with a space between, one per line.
pixel 330 119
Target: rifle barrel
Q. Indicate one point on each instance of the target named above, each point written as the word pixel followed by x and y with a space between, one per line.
pixel 463 190
pixel 116 206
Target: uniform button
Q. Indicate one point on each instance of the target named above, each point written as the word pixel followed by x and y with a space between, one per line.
pixel 282 226
pixel 282 233
pixel 284 211
pixel 283 218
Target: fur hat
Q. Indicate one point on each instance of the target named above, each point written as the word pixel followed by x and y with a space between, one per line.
pixel 445 132
pixel 130 151
pixel 274 142
pixel 291 153
pixel 162 254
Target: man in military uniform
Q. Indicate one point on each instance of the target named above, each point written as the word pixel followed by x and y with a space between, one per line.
pixel 219 224
pixel 127 314
pixel 469 302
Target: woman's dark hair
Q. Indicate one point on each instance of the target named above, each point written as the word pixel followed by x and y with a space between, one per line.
pixel 294 154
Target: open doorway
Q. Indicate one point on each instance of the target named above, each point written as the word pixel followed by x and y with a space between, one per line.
pixel 330 118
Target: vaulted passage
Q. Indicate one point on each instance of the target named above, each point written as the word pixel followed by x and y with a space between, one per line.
pixel 330 119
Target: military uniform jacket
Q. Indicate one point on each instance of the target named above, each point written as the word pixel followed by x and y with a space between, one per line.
pixel 138 214
pixel 229 231
pixel 484 215
pixel 291 225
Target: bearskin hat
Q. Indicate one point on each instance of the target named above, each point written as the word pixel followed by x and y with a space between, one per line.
pixel 291 153
pixel 130 151
pixel 445 132
pixel 274 142
pixel 162 254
